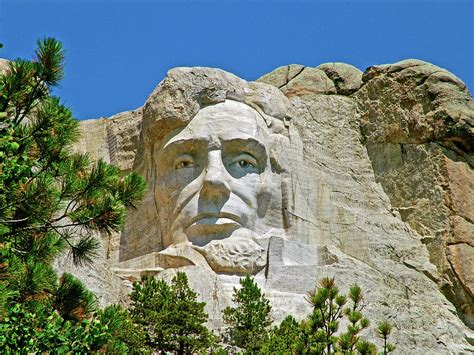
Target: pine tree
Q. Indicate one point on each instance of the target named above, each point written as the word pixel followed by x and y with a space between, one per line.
pixel 321 334
pixel 384 329
pixel 150 299
pixel 72 300
pixel 249 320
pixel 348 340
pixel 122 328
pixel 174 319
pixel 51 200
pixel 323 322
pixel 284 339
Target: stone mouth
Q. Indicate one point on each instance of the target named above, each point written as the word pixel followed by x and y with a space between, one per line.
pixel 215 218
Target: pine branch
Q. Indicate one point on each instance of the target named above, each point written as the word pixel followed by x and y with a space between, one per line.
pixel 50 55
pixel 84 251
pixel 73 300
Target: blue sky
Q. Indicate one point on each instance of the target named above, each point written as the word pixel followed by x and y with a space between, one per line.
pixel 118 51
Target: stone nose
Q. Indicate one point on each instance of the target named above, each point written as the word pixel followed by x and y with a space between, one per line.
pixel 215 186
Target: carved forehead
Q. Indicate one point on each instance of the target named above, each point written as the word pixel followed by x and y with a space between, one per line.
pixel 186 91
pixel 228 108
pixel 225 121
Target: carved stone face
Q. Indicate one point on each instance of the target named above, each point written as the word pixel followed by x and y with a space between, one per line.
pixel 213 176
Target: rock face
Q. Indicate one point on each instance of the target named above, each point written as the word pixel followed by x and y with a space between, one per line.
pixel 417 122
pixel 305 173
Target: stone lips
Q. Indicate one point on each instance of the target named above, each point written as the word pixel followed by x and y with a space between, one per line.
pixel 359 196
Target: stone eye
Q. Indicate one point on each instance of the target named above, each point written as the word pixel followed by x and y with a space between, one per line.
pixel 245 164
pixel 184 162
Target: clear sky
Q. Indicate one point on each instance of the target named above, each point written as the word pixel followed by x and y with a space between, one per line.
pixel 118 51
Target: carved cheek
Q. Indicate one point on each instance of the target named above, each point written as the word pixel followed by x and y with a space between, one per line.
pixel 177 179
pixel 247 189
pixel 184 177
pixel 265 193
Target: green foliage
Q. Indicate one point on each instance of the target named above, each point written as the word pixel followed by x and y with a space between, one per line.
pixel 366 348
pixel 123 330
pixel 284 339
pixel 172 316
pixel 47 193
pixel 72 300
pixel 384 329
pixel 249 320
pixel 323 323
pixel 38 328
pixel 150 299
pixel 50 201
pixel 320 332
pixel 348 340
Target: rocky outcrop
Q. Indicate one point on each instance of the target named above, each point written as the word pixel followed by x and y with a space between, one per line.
pixel 345 77
pixel 417 122
pixel 371 183
pixel 113 139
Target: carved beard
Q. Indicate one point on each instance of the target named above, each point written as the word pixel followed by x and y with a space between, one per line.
pixel 240 253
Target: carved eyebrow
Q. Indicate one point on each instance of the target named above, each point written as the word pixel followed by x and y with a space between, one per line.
pixel 248 145
pixel 249 142
pixel 167 154
pixel 184 143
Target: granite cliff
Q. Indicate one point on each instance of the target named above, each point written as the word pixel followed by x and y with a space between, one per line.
pixel 370 179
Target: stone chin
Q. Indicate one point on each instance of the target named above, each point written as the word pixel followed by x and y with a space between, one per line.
pixel 240 253
pixel 226 246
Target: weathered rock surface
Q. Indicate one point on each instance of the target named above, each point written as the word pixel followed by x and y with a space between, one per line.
pixel 298 80
pixel 346 78
pixel 417 121
pixel 113 139
pixel 372 182
pixel 3 65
